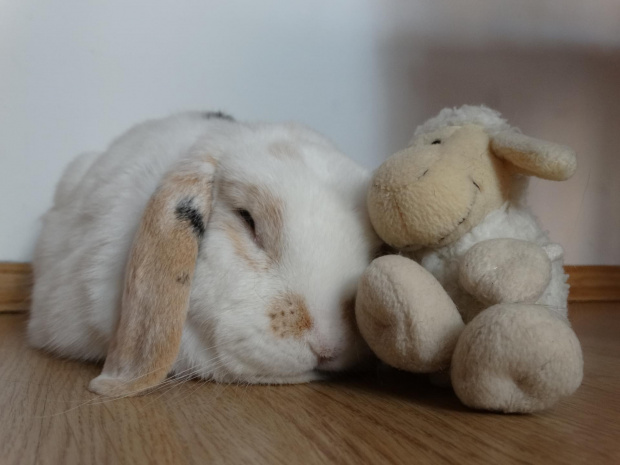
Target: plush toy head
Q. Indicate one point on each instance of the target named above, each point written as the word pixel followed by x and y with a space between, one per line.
pixel 460 166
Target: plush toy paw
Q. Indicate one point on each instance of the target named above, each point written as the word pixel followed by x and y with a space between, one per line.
pixel 505 271
pixel 516 358
pixel 405 316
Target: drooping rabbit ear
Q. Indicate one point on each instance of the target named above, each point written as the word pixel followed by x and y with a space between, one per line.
pixel 534 157
pixel 158 281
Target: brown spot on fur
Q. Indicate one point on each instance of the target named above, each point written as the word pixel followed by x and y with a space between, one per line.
pixel 238 237
pixel 284 150
pixel 269 211
pixel 211 160
pixel 289 316
pixel 266 209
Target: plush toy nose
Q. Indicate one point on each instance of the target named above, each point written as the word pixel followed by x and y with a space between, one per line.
pixel 401 170
pixel 412 203
pixel 390 182
pixel 385 213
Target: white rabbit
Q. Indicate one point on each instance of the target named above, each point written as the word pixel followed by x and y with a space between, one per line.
pixel 200 244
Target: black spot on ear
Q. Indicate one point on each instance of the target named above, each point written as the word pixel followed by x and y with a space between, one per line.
pixel 186 211
pixel 183 278
pixel 218 115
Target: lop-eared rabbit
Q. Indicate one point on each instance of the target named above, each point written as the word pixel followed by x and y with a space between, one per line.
pixel 198 244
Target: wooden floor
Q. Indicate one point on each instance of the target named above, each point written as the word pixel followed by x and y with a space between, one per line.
pixel 48 416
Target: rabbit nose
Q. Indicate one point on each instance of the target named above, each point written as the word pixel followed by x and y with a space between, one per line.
pixel 324 354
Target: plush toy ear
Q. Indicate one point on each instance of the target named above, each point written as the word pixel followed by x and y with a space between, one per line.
pixel 535 157
pixel 157 281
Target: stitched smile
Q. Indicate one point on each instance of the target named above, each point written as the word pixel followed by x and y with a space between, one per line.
pixel 459 223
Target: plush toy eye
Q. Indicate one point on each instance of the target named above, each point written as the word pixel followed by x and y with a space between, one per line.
pixel 247 219
pixel 436 141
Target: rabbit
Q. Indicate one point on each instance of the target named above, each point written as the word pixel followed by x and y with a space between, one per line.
pixel 197 243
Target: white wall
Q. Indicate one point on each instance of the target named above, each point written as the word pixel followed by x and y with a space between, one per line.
pixel 75 73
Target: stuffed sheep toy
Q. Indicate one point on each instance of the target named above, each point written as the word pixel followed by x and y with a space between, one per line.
pixel 489 300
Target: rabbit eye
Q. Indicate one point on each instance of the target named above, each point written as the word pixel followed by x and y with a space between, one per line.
pixel 436 141
pixel 247 219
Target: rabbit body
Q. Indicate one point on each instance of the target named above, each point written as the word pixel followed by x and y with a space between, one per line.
pixel 275 276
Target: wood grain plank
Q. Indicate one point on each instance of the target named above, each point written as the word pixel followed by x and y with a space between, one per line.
pixel 15 286
pixel 591 283
pixel 385 416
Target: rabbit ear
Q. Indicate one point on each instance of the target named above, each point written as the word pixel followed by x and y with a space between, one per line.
pixel 158 281
pixel 535 157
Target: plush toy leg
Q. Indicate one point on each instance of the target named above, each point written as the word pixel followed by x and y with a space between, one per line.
pixel 505 271
pixel 516 358
pixel 405 316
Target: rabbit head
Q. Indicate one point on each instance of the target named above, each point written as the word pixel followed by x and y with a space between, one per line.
pixel 245 265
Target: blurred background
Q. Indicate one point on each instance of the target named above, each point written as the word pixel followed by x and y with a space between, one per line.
pixel 76 73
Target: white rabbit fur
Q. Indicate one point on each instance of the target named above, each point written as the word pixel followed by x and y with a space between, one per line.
pixel 327 242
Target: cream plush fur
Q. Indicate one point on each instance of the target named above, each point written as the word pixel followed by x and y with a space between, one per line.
pixel 454 201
